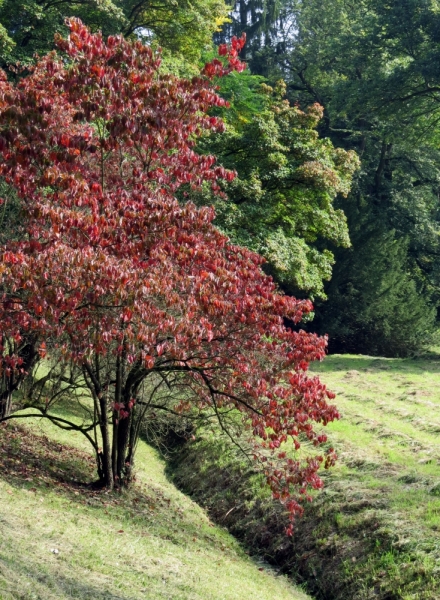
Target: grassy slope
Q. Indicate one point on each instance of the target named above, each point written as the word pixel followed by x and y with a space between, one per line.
pixel 374 533
pixel 60 539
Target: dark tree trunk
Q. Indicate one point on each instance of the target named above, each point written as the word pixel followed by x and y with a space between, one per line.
pixel 123 462
pixel 382 167
pixel 103 456
pixel 106 460
pixel 5 403
pixel 127 429
pixel 120 432
pixel 11 383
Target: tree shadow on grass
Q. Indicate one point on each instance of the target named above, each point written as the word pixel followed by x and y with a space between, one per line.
pixel 35 463
pixel 28 580
pixel 39 464
pixel 28 460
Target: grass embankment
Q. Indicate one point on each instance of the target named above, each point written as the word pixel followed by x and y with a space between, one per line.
pixel 61 539
pixel 374 532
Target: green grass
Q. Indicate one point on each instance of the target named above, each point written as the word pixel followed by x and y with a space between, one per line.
pixel 374 531
pixel 61 539
pixel 389 434
pixel 387 481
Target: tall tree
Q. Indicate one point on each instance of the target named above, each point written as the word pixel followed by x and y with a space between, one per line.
pixel 281 202
pixel 138 292
pixel 373 67
pixel 184 28
pixel 373 302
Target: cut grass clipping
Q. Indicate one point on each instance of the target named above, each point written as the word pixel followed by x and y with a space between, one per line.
pixel 60 539
pixel 374 532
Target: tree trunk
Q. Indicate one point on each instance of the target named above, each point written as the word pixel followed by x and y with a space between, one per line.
pixel 124 428
pixel 119 434
pixel 5 403
pixel 106 460
pixel 11 383
pixel 123 465
pixel 127 430
pixel 383 161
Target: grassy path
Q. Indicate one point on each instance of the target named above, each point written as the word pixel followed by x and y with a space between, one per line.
pixel 60 539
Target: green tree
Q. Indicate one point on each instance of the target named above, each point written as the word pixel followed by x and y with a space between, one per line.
pixel 281 203
pixel 374 304
pixel 374 67
pixel 184 28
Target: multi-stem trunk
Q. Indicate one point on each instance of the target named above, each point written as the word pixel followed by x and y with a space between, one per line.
pixel 119 420
pixel 124 425
pixel 103 455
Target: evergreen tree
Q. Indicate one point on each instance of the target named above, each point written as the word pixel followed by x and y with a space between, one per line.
pixel 259 20
pixel 374 305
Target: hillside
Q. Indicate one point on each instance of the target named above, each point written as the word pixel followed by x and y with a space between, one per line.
pixel 374 531
pixel 60 539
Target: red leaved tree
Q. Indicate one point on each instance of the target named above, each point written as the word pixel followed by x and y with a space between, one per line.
pixel 139 293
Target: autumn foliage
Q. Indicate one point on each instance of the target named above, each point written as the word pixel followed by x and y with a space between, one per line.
pixel 141 293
